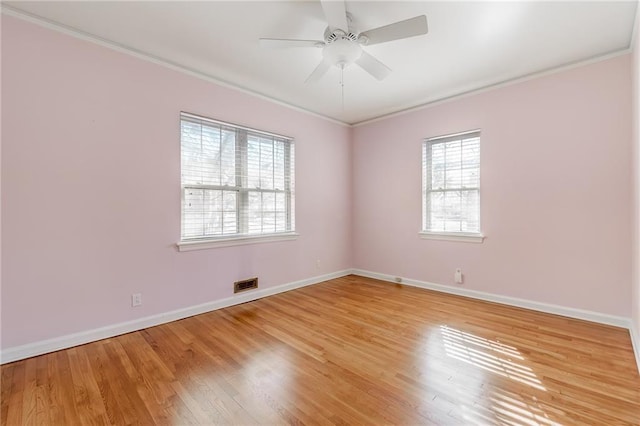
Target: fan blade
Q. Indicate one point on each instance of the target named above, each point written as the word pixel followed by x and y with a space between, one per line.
pixel 336 14
pixel 284 42
pixel 320 70
pixel 373 66
pixel 402 29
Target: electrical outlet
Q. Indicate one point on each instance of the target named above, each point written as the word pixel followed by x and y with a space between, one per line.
pixel 318 264
pixel 136 299
pixel 458 276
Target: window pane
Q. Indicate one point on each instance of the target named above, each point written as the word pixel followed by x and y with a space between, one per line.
pixel 281 202
pixel 229 201
pixel 213 223
pixel 281 222
pixel 213 200
pixel 228 158
pixel 190 141
pixel 452 211
pixel 471 152
pixel 278 165
pixel 212 212
pixel 268 222
pixel 470 217
pixel 253 162
pixel 437 163
pixel 451 165
pixel 229 215
pixel 230 222
pixel 192 223
pixel 269 212
pixel 437 211
pixel 235 180
pixel 453 178
pixel 255 212
pixel 268 202
pixel 266 164
pixel 453 155
pixel 210 156
pixel 470 178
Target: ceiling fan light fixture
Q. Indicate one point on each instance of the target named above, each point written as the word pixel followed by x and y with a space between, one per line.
pixel 342 52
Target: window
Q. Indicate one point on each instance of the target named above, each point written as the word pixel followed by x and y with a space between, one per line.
pixel 236 182
pixel 451 187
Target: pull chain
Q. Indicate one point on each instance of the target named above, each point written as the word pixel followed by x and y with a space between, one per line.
pixel 342 84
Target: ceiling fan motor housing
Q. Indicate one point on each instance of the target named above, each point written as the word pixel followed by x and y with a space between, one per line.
pixel 341 49
pixel 331 36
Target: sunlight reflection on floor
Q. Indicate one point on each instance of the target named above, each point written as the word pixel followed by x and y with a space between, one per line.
pixel 502 407
pixel 489 355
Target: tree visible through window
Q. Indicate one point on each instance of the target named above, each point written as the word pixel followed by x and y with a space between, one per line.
pixel 451 184
pixel 235 181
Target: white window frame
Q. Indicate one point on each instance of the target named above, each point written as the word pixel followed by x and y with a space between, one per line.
pixel 425 233
pixel 242 236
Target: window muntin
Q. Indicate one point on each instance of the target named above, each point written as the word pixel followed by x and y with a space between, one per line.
pixel 451 184
pixel 235 181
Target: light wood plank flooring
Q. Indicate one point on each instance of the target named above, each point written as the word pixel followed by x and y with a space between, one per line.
pixel 348 351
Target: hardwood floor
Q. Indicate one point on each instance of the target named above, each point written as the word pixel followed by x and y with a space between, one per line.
pixel 349 351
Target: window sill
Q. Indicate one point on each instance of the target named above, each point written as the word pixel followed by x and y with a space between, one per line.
pixel 462 237
pixel 189 245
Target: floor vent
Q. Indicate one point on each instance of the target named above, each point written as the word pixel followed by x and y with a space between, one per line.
pixel 243 285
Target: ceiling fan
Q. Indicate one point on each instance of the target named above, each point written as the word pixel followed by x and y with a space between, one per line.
pixel 342 44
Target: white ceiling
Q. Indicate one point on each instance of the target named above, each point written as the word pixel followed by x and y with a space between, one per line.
pixel 470 45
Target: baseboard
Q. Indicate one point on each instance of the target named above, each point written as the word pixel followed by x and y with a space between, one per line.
pixel 38 348
pixel 506 300
pixel 521 303
pixel 635 342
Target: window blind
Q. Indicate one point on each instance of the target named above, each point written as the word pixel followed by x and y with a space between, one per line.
pixel 451 183
pixel 235 180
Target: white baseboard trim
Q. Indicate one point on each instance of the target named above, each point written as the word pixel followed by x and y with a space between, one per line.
pixel 635 341
pixel 63 342
pixel 521 303
pixel 506 300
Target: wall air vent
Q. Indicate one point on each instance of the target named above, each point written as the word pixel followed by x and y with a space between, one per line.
pixel 243 285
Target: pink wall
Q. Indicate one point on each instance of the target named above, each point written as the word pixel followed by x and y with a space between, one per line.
pixel 555 185
pixel 91 202
pixel 636 182
pixel 91 189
